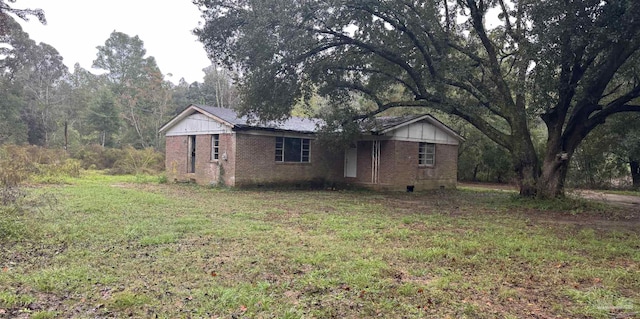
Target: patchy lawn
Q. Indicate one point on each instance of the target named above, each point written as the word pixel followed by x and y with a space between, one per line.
pixel 123 246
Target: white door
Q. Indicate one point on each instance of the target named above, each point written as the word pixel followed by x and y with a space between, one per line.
pixel 351 162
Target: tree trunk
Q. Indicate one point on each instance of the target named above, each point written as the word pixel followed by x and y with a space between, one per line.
pixel 66 135
pixel 554 173
pixel 525 163
pixel 635 173
pixel 527 174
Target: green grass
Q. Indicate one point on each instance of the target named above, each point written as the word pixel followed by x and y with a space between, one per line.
pixel 127 246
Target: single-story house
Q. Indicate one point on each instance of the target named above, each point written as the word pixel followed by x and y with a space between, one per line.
pixel 211 145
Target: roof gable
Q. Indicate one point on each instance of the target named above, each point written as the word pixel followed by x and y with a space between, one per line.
pixel 383 125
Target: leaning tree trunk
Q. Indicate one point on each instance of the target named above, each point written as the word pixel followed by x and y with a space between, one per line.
pixel 554 172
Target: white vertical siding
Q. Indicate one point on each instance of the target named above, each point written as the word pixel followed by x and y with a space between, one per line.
pixel 196 124
pixel 423 132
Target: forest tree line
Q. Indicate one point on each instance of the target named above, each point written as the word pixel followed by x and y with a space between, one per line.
pixel 44 103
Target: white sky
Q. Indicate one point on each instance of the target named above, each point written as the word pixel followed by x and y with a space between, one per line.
pixel 76 27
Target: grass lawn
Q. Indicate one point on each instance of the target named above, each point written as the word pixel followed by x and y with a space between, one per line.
pixel 110 247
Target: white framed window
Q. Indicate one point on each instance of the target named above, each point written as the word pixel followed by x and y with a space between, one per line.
pixel 215 146
pixel 427 154
pixel 293 150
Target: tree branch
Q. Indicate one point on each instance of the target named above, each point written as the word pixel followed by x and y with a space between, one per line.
pixel 385 54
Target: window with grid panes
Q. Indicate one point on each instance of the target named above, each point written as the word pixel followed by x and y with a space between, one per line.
pixel 215 146
pixel 293 150
pixel 427 154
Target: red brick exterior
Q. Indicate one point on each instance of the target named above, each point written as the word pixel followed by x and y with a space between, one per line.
pixel 208 171
pixel 256 165
pixel 398 167
pixel 249 159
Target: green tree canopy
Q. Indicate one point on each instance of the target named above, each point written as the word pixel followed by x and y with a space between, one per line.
pixel 138 86
pixel 123 57
pixel 566 64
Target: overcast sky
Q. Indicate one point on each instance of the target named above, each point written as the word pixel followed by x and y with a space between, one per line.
pixel 76 27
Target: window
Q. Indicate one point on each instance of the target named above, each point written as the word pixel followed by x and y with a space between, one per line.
pixel 427 154
pixel 290 149
pixel 215 146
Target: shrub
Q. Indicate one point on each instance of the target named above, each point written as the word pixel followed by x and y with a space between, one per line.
pixel 97 157
pixel 133 161
pixel 15 165
pixel 20 163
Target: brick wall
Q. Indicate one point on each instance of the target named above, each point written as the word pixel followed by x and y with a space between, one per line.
pixel 255 163
pixel 207 171
pixel 399 167
pixel 176 157
pixel 250 160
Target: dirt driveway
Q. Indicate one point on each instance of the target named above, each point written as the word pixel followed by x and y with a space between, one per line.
pixel 622 200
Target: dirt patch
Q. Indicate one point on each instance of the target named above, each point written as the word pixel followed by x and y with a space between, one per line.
pixel 492 186
pixel 622 200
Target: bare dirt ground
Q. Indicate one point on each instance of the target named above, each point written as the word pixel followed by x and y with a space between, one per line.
pixel 621 200
pixel 624 200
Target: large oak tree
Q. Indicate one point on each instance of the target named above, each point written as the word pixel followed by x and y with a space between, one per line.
pixel 502 65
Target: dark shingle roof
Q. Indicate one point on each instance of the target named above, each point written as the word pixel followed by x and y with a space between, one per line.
pixel 292 124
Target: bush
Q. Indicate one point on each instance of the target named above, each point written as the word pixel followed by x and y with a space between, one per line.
pixel 133 161
pixel 97 157
pixel 21 163
pixel 120 161
pixel 15 166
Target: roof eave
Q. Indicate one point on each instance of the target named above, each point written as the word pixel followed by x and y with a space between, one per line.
pixel 427 117
pixel 188 111
pixel 271 129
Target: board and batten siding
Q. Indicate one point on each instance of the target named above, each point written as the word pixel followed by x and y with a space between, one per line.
pixel 423 132
pixel 197 124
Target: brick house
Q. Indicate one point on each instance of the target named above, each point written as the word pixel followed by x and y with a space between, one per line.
pixel 212 145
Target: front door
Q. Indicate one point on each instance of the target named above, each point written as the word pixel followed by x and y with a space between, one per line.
pixel 351 161
pixel 192 154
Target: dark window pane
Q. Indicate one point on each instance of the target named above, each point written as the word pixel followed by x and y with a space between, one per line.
pixel 292 147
